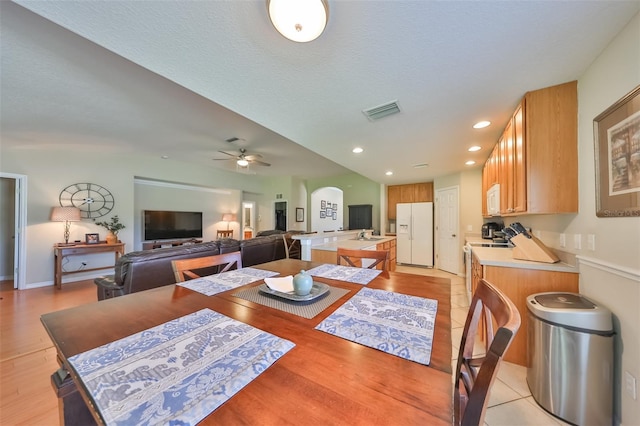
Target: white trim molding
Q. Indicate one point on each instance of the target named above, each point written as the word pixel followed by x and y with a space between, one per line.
pixel 628 273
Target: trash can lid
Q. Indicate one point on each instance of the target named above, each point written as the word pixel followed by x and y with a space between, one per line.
pixel 570 309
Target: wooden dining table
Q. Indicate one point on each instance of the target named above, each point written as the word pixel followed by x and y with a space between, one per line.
pixel 323 380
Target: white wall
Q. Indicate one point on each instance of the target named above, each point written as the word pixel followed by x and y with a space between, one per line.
pixel 323 197
pixel 610 274
pixel 49 170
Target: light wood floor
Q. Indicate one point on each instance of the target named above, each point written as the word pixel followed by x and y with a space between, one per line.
pixel 27 356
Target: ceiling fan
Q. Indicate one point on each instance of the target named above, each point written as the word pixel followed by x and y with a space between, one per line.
pixel 243 159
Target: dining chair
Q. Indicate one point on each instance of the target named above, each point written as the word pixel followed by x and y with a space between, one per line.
pixel 223 233
pixel 185 267
pixel 354 258
pixel 477 365
pixel 292 248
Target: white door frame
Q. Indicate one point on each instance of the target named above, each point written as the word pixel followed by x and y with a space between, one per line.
pixel 19 247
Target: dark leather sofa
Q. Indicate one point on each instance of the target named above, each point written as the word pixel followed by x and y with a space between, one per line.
pixel 147 269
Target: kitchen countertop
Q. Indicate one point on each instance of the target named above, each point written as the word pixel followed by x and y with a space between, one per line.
pixel 353 244
pixel 492 256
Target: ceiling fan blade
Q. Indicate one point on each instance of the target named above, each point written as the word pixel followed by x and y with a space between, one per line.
pixel 262 163
pixel 230 155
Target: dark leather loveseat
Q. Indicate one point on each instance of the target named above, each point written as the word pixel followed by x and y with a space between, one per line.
pixel 147 269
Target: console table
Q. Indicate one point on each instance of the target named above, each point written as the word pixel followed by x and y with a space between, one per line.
pixel 62 251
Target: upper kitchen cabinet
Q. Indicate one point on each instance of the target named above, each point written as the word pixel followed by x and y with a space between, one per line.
pixel 536 159
pixel 411 193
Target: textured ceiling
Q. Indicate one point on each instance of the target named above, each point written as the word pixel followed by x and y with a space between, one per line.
pixel 178 78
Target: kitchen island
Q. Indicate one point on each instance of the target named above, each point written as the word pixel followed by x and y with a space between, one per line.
pixel 322 247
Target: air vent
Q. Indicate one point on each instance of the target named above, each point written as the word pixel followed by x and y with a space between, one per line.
pixel 233 139
pixel 378 112
pixel 421 165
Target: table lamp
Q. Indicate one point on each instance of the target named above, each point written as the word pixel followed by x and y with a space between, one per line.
pixel 228 217
pixel 66 215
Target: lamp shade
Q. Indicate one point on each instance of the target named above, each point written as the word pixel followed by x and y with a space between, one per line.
pixel 228 217
pixel 65 214
pixel 299 20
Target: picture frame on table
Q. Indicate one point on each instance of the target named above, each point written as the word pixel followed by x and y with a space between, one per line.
pixel 299 214
pixel 91 238
pixel 616 134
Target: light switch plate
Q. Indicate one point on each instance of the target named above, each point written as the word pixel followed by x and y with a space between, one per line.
pixel 630 384
pixel 577 242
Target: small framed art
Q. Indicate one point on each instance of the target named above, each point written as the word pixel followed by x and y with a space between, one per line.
pixel 92 238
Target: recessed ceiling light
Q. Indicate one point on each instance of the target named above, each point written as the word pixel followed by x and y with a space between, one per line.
pixel 357 150
pixel 164 157
pixel 474 148
pixel 470 163
pixel 389 173
pixel 481 124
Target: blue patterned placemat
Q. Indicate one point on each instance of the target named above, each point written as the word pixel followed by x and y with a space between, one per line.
pixel 217 283
pixel 178 372
pixel 395 323
pixel 345 273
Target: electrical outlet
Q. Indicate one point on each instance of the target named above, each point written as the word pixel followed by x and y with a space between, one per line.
pixel 563 240
pixel 591 242
pixel 577 242
pixel 630 385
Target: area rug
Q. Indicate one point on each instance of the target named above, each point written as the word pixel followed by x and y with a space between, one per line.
pixel 395 323
pixel 178 372
pixel 218 283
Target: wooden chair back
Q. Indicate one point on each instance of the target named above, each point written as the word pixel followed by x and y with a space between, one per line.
pixel 223 233
pixel 477 365
pixel 186 267
pixel 354 258
pixel 292 248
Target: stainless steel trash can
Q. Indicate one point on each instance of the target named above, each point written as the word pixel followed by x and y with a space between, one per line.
pixel 570 357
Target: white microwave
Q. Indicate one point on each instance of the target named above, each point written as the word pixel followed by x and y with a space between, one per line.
pixel 493 200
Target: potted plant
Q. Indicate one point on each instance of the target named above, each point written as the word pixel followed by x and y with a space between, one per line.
pixel 113 227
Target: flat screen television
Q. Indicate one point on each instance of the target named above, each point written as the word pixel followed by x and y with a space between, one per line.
pixel 169 225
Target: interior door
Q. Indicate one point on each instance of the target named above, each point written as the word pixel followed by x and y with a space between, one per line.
pixel 448 248
pixel 280 210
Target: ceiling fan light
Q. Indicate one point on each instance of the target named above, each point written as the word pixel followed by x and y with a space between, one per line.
pixel 299 20
pixel 242 162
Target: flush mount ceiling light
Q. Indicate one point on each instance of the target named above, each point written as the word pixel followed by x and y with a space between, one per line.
pixel 299 20
pixel 470 163
pixel 389 173
pixel 357 150
pixel 474 148
pixel 481 124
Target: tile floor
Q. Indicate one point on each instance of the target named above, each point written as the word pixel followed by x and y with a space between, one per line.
pixel 510 402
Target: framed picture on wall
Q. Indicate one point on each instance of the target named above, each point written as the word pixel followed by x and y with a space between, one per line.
pixel 323 204
pixel 617 143
pixel 335 215
pixel 329 212
pixel 335 206
pixel 92 238
pixel 299 214
pixel 323 214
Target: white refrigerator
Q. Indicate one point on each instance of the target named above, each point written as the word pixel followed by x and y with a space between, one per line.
pixel 414 233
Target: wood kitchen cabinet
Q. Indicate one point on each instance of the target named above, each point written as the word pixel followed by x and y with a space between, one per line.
pixel 391 247
pixel 517 284
pixel 536 158
pixel 410 193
